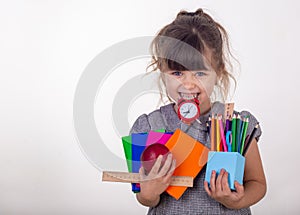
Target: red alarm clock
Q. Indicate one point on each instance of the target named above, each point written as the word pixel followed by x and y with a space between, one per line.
pixel 188 110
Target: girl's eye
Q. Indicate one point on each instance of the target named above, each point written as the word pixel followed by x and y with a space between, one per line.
pixel 200 74
pixel 177 73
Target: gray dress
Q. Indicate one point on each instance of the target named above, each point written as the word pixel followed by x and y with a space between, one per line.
pixel 195 200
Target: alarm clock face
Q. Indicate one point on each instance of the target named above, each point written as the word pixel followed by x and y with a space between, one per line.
pixel 188 111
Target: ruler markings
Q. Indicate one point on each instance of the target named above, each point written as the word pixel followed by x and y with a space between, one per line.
pixel 186 181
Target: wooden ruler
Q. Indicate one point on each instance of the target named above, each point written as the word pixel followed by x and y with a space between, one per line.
pixel 184 181
pixel 228 111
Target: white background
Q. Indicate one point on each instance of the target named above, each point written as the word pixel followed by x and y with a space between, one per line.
pixel 46 45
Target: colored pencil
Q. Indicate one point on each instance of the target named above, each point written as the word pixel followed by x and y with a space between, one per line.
pixel 227 125
pixel 238 133
pixel 217 135
pixel 207 127
pixel 253 133
pixel 233 132
pixel 245 127
pixel 212 134
pixel 223 140
pixel 246 142
pixel 208 124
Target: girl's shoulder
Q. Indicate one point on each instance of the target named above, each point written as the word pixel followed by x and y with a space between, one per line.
pixel 253 121
pixel 157 119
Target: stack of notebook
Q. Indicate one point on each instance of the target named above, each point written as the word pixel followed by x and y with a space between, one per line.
pixel 190 155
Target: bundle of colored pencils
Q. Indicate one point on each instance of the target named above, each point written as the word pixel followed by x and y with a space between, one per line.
pixel 230 135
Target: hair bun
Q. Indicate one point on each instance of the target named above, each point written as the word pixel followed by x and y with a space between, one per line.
pixel 182 13
pixel 198 12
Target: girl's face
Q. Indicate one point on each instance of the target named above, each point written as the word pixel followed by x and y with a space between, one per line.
pixel 191 84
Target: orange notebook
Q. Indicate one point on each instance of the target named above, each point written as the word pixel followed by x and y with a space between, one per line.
pixel 190 156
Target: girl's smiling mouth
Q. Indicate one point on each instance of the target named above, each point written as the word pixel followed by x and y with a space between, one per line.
pixel 189 96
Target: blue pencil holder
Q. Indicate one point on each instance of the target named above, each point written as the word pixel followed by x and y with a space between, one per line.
pixel 232 162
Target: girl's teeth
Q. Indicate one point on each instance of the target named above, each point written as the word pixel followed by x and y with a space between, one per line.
pixel 188 96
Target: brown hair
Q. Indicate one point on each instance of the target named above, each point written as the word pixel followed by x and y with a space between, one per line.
pixel 200 31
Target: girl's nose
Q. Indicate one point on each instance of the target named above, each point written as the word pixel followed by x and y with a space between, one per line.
pixel 189 81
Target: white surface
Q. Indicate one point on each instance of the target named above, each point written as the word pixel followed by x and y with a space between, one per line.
pixel 45 46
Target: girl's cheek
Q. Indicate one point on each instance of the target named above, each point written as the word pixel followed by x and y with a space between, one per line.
pixel 209 89
pixel 207 86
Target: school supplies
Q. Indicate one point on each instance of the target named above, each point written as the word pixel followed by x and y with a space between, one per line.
pixel 190 156
pixel 250 139
pixel 137 146
pixel 228 110
pixel 129 177
pixel 212 134
pixel 238 133
pixel 232 142
pixel 233 137
pixel 134 145
pixel 229 141
pixel 218 135
pixel 244 133
pixel 233 132
pixel 222 134
pixel 232 162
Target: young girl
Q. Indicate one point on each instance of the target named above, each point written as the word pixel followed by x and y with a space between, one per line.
pixel 187 74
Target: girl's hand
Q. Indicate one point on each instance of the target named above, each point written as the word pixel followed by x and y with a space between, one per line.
pixel 158 179
pixel 220 190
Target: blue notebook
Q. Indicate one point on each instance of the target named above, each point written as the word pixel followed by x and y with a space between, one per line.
pixel 138 144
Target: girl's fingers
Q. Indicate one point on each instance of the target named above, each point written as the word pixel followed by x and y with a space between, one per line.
pixel 207 188
pixel 225 185
pixel 155 169
pixel 238 187
pixel 166 167
pixel 142 173
pixel 213 181
pixel 219 180
pixel 168 177
pixel 173 167
pixel 171 170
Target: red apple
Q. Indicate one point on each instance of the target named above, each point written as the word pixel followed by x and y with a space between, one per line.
pixel 151 153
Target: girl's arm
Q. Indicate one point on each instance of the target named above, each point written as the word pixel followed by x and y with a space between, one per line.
pixel 156 182
pixel 254 187
pixel 254 178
